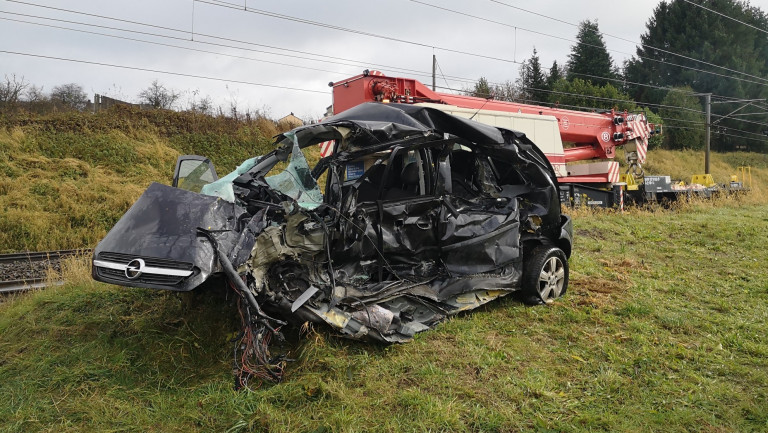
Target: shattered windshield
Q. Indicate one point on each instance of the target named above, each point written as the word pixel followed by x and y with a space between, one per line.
pixel 295 181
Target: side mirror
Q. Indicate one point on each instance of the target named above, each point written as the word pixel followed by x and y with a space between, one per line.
pixel 192 172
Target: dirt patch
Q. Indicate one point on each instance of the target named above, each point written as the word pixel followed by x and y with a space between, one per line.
pixel 596 292
pixel 625 264
pixel 588 233
pixel 583 284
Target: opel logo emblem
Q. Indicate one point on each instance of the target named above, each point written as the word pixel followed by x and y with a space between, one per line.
pixel 134 269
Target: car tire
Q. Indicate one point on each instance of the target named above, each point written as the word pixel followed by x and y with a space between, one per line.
pixel 545 273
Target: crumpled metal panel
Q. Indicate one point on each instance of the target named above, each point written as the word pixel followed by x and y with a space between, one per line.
pixel 162 224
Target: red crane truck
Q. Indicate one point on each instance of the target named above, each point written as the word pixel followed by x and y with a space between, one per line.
pixel 579 145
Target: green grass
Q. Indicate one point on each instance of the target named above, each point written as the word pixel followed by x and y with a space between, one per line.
pixel 663 329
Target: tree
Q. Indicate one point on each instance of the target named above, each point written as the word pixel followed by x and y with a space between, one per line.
pixel 505 91
pixel 11 90
pixel 685 45
pixel 555 75
pixel 158 96
pixel 70 96
pixel 35 94
pixel 202 105
pixel 583 94
pixel 589 58
pixel 687 130
pixel 533 80
pixel 482 89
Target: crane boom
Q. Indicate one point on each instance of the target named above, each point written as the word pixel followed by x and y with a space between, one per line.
pixel 587 135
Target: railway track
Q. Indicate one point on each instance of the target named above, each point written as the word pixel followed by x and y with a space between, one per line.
pixel 29 270
pixel 32 256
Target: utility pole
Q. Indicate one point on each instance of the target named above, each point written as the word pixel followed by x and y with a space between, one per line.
pixel 434 71
pixel 708 97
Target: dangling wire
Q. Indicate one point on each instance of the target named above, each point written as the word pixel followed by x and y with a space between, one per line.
pixel 251 353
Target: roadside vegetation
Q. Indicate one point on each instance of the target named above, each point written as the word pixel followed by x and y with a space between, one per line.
pixel 65 179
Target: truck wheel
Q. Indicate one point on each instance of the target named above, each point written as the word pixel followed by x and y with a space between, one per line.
pixel 545 273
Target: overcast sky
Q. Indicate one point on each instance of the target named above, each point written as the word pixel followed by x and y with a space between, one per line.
pixel 239 41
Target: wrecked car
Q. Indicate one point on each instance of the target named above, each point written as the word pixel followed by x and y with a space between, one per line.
pixel 422 215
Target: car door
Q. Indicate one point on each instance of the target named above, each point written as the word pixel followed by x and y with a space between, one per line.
pixel 478 231
pixel 192 172
pixel 390 228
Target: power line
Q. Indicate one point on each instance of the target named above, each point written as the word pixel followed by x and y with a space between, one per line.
pixel 742 120
pixel 293 88
pixel 247 58
pixel 612 99
pixel 631 41
pixel 223 4
pixel 764 80
pixel 725 16
pixel 168 45
pixel 719 133
pixel 599 98
pixel 336 72
pixel 466 80
pixel 324 57
pixel 158 71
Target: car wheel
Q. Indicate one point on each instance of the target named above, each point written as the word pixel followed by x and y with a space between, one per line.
pixel 545 273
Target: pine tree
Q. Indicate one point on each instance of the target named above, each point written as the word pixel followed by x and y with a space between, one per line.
pixel 533 80
pixel 703 36
pixel 482 89
pixel 589 58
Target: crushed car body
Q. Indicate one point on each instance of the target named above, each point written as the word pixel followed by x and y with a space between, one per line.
pixel 422 215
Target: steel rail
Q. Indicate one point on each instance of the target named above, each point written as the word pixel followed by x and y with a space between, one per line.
pixel 38 256
pixel 27 284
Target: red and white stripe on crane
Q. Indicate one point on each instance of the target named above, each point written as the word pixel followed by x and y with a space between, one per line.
pixel 641 130
pixel 326 148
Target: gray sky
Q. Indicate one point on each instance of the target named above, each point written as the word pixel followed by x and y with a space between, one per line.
pixel 329 54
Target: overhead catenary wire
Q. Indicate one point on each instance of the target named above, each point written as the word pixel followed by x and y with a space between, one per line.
pixel 159 71
pixel 763 79
pixel 321 57
pixel 454 78
pixel 268 85
pixel 242 57
pixel 630 41
pixel 584 108
pixel 290 65
pixel 725 16
pixel 361 65
pixel 721 133
pixel 599 98
pixel 173 46
pixel 324 58
pixel 224 4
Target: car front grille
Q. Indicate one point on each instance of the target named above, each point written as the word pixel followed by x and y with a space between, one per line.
pixel 163 272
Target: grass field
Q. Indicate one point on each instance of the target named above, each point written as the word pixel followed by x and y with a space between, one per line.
pixel 663 327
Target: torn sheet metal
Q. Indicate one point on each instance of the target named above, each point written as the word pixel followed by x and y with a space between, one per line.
pixel 438 215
